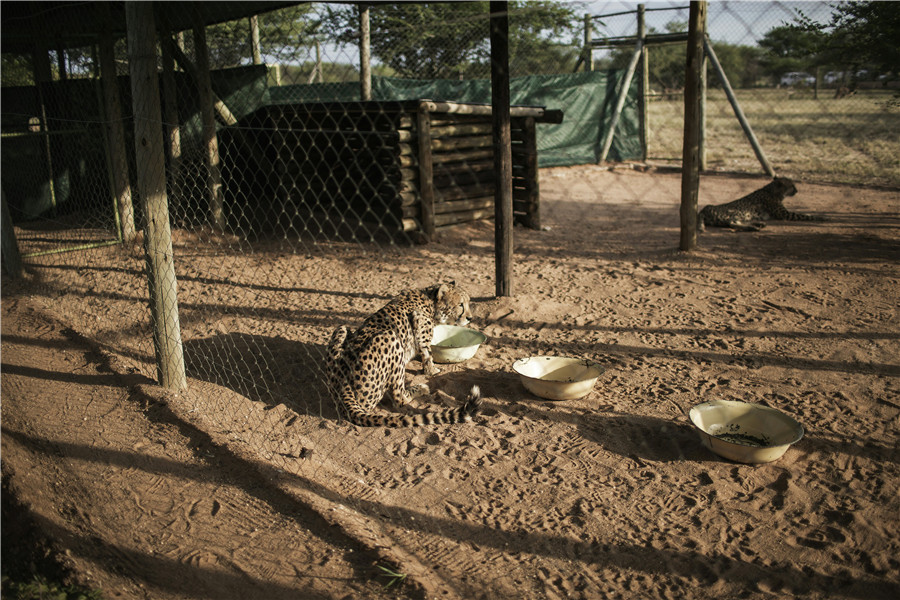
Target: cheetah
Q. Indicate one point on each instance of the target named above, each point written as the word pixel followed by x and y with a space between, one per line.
pixel 747 213
pixel 364 365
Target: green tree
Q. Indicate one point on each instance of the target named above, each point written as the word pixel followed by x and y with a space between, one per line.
pixel 789 48
pixel 859 33
pixel 288 33
pixel 451 39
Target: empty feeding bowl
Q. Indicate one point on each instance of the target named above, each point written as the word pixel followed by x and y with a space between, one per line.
pixel 453 344
pixel 557 377
pixel 745 432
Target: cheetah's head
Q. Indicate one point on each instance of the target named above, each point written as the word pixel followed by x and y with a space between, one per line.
pixel 451 305
pixel 785 186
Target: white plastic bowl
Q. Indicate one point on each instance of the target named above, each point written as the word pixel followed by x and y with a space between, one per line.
pixel 453 344
pixel 745 432
pixel 557 377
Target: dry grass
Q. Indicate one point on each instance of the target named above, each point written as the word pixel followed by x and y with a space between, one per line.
pixel 854 140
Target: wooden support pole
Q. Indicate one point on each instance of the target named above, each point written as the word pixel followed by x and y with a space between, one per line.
pixel 170 109
pixel 738 112
pixel 532 177
pixel 62 72
pixel 43 74
pixel 118 155
pixel 645 81
pixel 701 152
pixel 426 170
pixel 208 121
pixel 9 246
pixel 151 180
pixel 620 100
pixel 690 173
pixel 365 67
pixel 254 40
pixel 588 49
pixel 503 205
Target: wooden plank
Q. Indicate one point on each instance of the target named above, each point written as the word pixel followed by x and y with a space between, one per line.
pixel 471 156
pixel 462 217
pixel 458 143
pixel 151 179
pixel 484 202
pixel 451 193
pixel 465 129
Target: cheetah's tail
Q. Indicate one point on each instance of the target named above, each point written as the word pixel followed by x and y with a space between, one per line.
pixel 461 414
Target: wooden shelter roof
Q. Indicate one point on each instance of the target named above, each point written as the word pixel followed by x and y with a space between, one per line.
pixel 67 24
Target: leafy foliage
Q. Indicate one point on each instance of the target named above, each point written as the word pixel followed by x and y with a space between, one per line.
pixel 858 34
pixel 436 40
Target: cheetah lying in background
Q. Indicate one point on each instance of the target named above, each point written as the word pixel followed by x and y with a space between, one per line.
pixel 747 213
pixel 364 365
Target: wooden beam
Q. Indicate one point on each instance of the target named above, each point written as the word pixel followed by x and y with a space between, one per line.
pixel 503 205
pixel 151 179
pixel 738 112
pixel 620 100
pixel 690 174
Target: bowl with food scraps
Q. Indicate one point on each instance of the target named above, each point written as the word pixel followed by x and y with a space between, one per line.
pixel 453 344
pixel 558 377
pixel 745 432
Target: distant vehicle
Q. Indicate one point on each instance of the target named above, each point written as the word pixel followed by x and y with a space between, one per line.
pixel 833 77
pixel 797 77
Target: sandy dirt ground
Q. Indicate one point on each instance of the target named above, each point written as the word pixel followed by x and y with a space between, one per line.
pixel 247 485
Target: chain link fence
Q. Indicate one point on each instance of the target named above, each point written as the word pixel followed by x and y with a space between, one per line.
pixel 295 206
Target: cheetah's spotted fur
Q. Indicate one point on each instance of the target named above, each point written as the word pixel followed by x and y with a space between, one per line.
pixel 371 361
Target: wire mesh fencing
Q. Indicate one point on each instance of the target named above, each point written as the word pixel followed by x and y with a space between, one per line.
pixel 266 195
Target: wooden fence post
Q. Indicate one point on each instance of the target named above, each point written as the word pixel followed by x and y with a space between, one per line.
pixel 645 81
pixel 426 169
pixel 208 119
pixel 151 180
pixel 690 173
pixel 12 258
pixel 365 68
pixel 588 49
pixel 118 155
pixel 502 134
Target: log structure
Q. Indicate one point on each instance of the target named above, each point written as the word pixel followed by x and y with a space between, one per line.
pixel 405 166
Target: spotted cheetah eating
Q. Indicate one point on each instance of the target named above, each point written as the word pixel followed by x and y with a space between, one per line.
pixel 366 364
pixel 749 212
